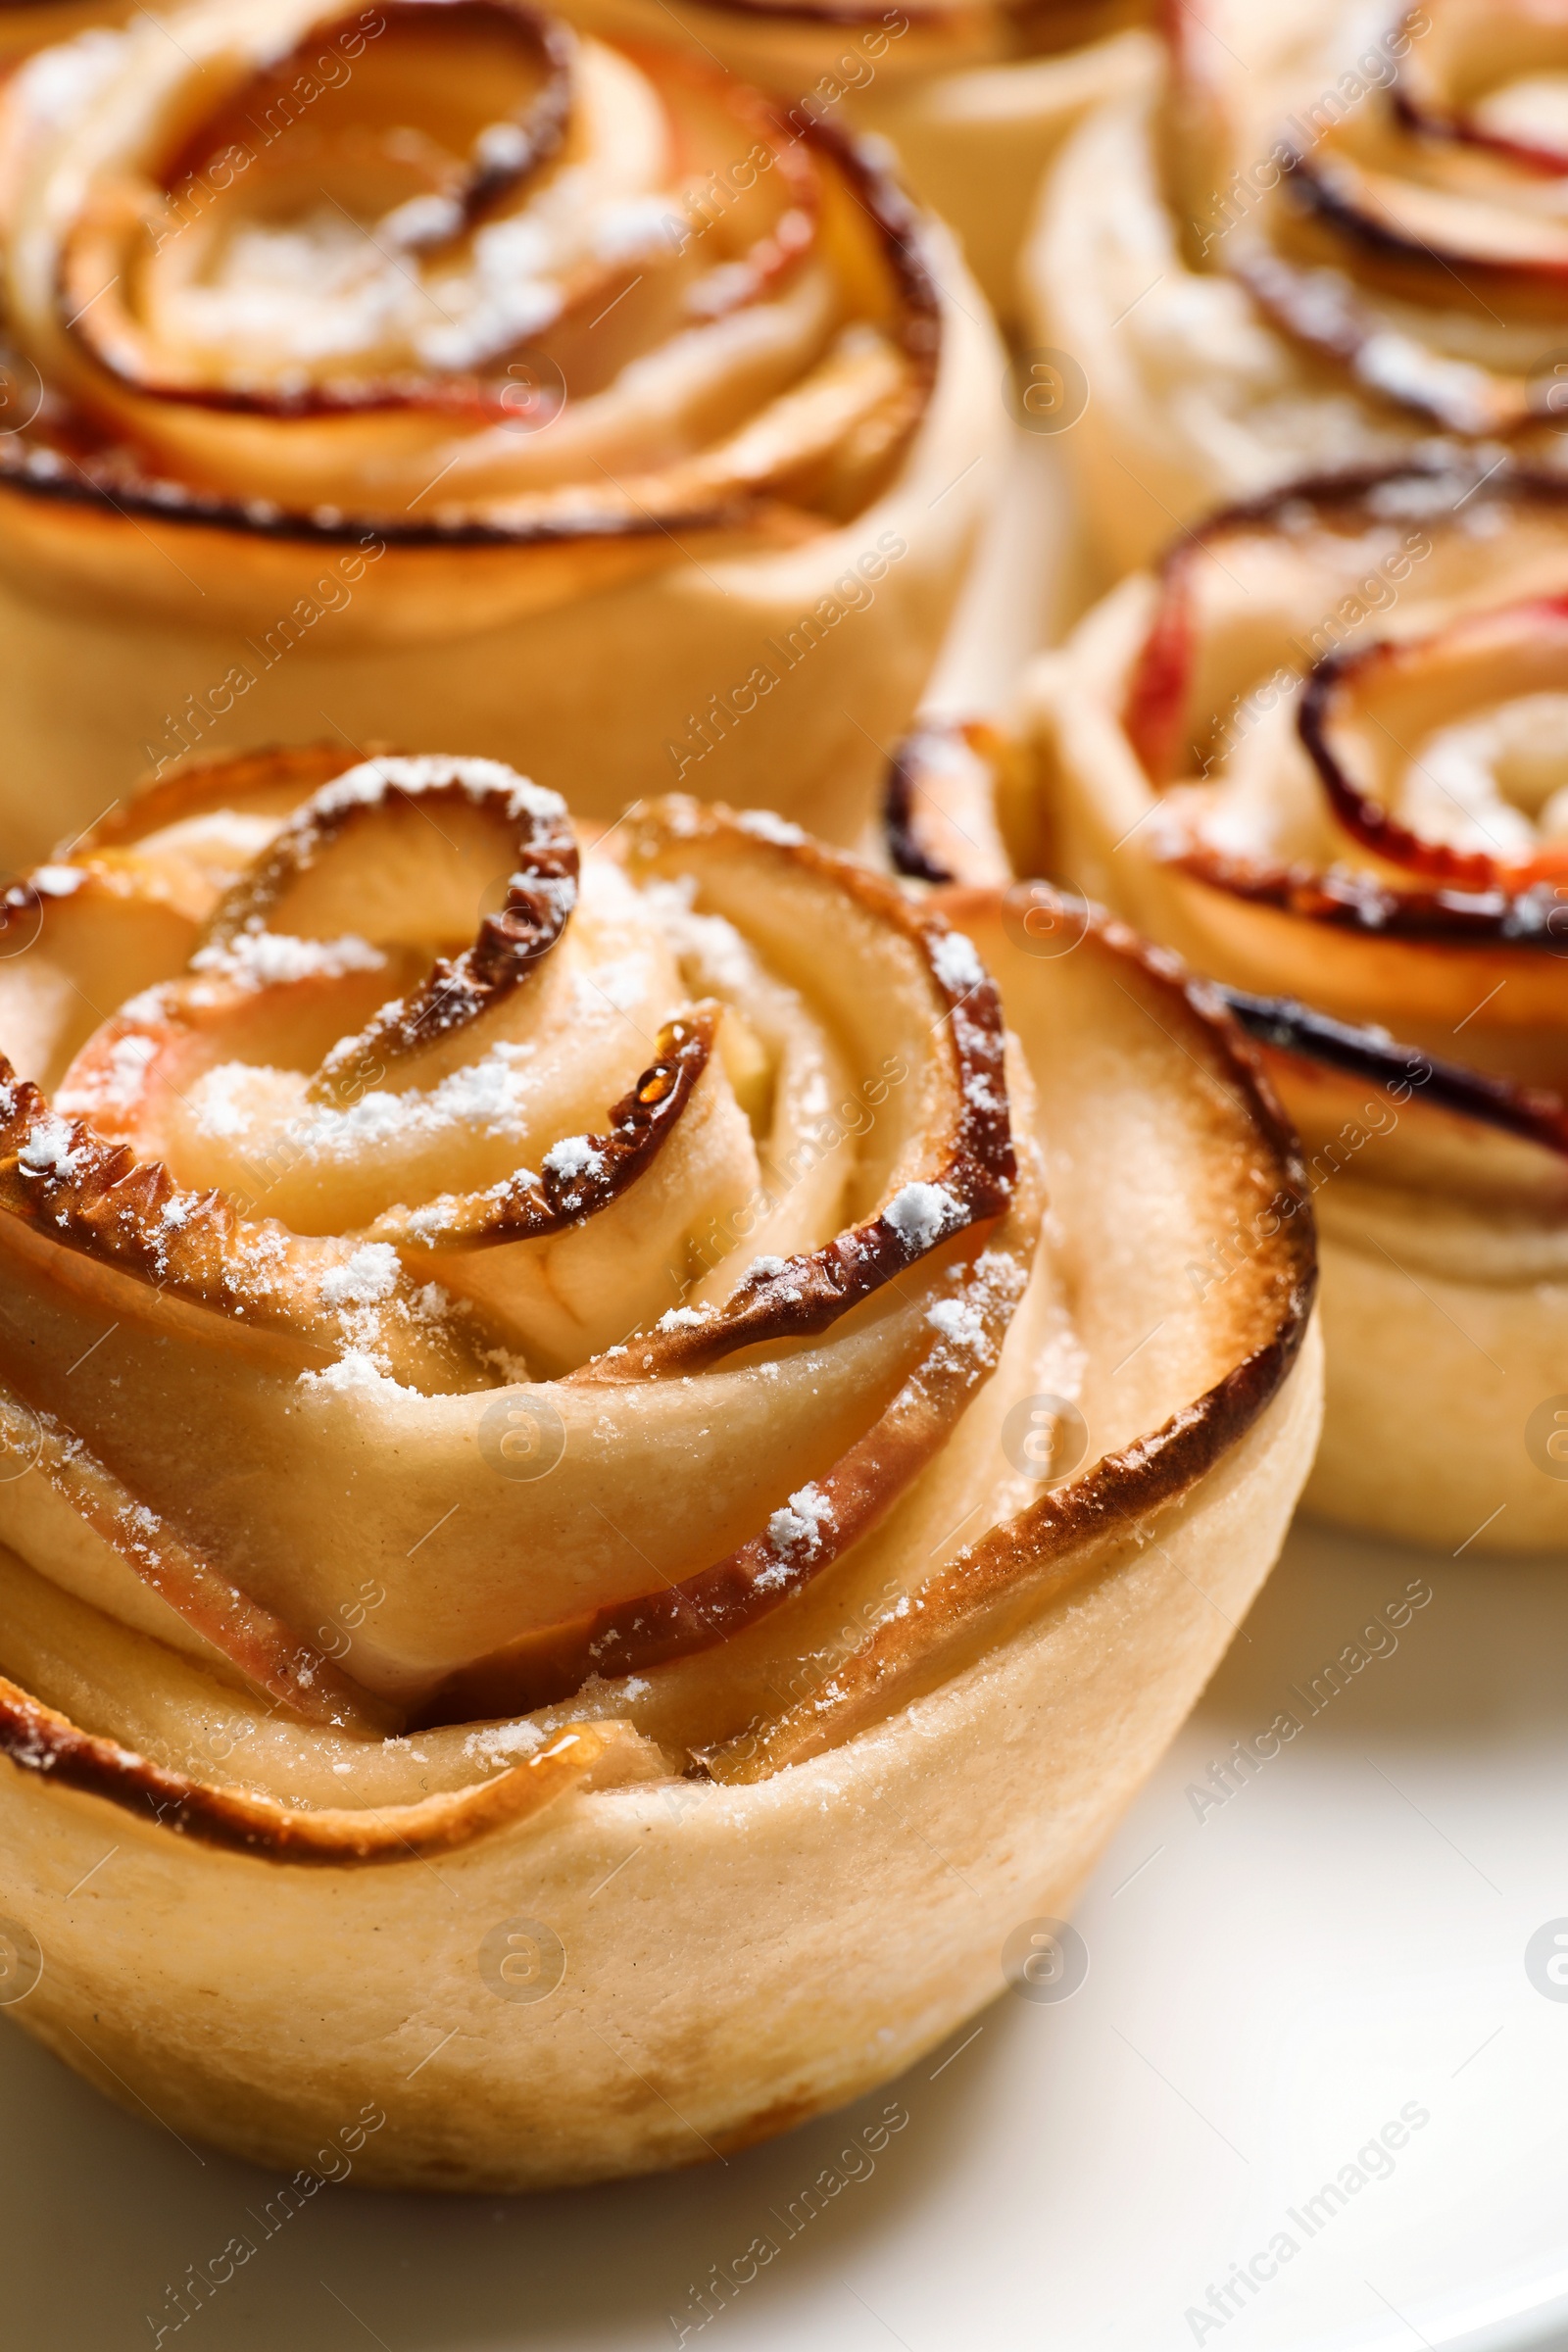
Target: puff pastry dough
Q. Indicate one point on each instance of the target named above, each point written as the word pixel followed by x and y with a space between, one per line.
pixel 976 98
pixel 404 374
pixel 1323 244
pixel 570 1522
pixel 1322 754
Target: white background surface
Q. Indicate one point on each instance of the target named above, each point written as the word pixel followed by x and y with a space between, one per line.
pixel 1268 1986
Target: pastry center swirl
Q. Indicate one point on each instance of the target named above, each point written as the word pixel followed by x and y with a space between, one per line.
pixel 441 1131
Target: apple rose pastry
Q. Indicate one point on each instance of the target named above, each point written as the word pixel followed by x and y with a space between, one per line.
pixel 398 372
pixel 1338 248
pixel 1325 754
pixel 563 1493
pixel 975 97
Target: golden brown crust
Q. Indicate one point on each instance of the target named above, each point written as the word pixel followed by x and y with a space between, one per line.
pixel 1281 1028
pixel 1032 1561
pixel 35 1738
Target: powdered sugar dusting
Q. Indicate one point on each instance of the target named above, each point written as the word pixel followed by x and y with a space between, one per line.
pixel 504 1743
pixel 51 1149
pixel 957 1319
pixel 373 779
pixel 256 958
pixel 355 1370
pixel 573 1155
pixel 765 826
pixel 368 1276
pixel 921 1213
pixel 956 964
pixel 795 1530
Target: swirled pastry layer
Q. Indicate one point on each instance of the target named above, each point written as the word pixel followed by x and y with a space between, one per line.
pixel 440 373
pixel 1415 237
pixel 1349 704
pixel 1325 754
pixel 1351 237
pixel 297 265
pixel 975 98
pixel 515 1344
pixel 430 1203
